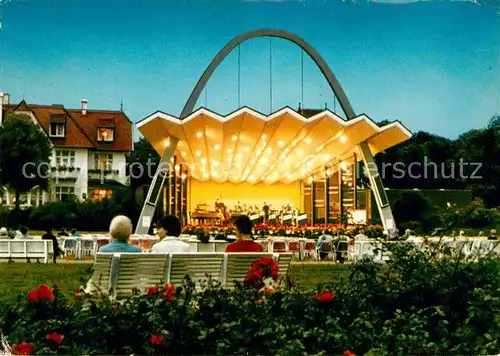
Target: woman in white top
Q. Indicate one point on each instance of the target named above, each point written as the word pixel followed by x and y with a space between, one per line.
pixel 169 230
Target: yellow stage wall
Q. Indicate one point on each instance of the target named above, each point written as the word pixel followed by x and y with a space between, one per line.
pixel 276 194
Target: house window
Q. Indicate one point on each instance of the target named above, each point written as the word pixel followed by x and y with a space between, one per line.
pixel 101 194
pixel 56 129
pixel 103 161
pixel 65 158
pixel 105 134
pixel 63 193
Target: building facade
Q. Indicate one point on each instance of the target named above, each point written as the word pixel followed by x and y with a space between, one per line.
pixel 89 151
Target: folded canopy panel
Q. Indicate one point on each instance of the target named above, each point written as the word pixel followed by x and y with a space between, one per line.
pixel 247 146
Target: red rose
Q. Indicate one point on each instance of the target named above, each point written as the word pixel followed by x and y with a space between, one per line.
pixel 168 293
pixel 348 353
pixel 57 338
pixel 78 293
pixel 260 269
pixel 325 297
pixel 386 273
pixel 156 339
pixel 24 348
pixel 152 290
pixel 136 290
pixel 43 292
pixel 33 296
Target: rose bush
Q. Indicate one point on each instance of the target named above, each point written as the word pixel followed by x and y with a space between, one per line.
pixel 416 304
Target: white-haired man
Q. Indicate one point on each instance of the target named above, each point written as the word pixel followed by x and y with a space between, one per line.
pixel 120 230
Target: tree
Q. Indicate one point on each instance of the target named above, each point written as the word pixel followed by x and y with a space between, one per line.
pixel 24 155
pixel 411 207
pixel 143 159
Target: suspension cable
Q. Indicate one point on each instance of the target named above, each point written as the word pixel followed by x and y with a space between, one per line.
pixel 270 77
pixel 239 76
pixel 302 78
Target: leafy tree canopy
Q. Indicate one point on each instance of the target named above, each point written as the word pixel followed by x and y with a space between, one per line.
pixel 24 154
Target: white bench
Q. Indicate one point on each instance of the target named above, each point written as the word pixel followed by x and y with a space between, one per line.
pixel 118 274
pixel 25 249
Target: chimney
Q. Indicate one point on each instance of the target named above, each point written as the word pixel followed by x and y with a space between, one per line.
pixel 84 106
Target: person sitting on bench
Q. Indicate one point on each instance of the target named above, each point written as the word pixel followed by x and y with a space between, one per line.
pixel 169 230
pixel 244 242
pixel 120 230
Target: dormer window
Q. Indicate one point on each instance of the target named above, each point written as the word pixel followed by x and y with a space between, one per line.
pixel 57 124
pixel 106 130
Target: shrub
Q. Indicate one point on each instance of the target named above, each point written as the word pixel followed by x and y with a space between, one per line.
pixel 87 215
pixel 413 206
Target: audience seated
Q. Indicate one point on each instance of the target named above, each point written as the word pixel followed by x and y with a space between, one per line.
pixel 63 232
pixel 55 245
pixel 169 229
pixel 74 233
pixel 23 234
pixel 493 234
pixel 321 240
pixel 120 230
pixel 244 241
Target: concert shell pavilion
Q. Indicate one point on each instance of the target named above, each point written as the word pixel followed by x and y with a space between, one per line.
pixel 306 159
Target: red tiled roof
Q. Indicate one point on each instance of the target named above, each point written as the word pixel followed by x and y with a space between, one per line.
pixel 81 130
pixel 91 122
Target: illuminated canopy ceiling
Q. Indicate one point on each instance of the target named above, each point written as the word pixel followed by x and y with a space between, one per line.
pixel 249 146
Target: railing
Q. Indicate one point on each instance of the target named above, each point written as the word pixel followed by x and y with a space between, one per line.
pixel 63 172
pixel 112 174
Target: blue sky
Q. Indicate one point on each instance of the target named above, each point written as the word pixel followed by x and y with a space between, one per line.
pixel 434 66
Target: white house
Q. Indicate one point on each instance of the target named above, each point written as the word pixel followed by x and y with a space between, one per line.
pixel 89 150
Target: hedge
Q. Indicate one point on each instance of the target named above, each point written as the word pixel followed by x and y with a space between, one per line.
pixel 88 215
pixel 417 305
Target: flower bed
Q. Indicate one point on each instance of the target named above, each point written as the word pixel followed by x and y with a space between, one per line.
pixel 414 305
pixel 307 231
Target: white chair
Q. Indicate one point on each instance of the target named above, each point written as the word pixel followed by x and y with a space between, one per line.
pixel 87 247
pixel 367 250
pixel 310 250
pixel 70 247
pixel 328 248
pixel 279 246
pixel 293 246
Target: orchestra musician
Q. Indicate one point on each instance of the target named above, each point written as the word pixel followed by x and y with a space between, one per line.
pixel 221 208
pixel 295 215
pixel 265 210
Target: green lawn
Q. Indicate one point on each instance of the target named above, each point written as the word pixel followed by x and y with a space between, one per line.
pixel 308 275
pixel 19 278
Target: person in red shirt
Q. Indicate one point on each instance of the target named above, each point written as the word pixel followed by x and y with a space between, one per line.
pixel 244 242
